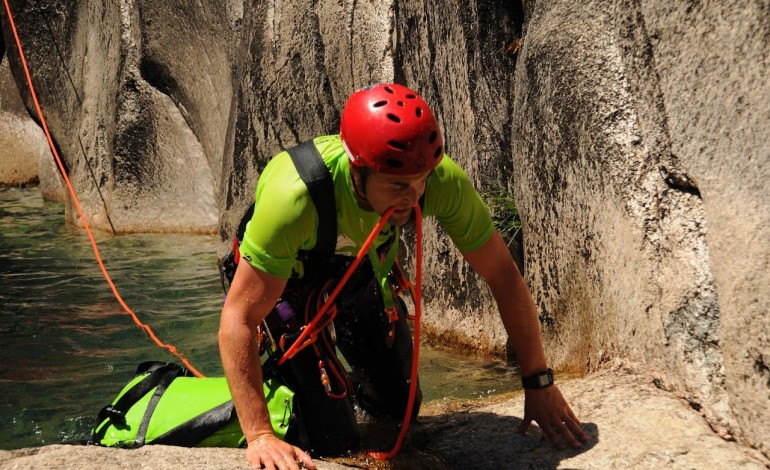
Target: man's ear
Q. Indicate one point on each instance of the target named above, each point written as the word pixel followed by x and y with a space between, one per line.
pixel 354 174
pixel 359 176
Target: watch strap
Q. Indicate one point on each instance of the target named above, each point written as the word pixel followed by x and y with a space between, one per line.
pixel 538 381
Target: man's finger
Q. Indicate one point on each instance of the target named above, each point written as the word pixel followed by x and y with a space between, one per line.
pixel 266 464
pixel 581 432
pixel 576 429
pixel 568 433
pixel 307 462
pixel 553 436
pixel 290 462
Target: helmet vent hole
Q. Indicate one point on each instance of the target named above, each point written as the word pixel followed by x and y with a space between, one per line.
pixel 411 96
pixel 380 104
pixel 394 163
pixel 393 117
pixel 433 136
pixel 400 103
pixel 418 111
pixel 396 145
pixel 389 89
pixel 437 153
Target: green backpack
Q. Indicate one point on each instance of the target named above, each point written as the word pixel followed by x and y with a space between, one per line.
pixel 163 404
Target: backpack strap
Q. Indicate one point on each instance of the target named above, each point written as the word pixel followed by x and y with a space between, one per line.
pixel 241 231
pixel 314 173
pixel 316 176
pixel 116 414
pixel 161 388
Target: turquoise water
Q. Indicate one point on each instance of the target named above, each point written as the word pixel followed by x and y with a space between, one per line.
pixel 66 348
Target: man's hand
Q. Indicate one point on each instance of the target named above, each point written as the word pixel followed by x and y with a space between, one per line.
pixel 548 408
pixel 267 451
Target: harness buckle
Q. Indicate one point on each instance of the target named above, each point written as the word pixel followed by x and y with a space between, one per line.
pixel 116 415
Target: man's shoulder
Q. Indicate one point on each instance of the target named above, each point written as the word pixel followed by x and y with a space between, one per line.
pixel 330 148
pixel 324 141
pixel 446 174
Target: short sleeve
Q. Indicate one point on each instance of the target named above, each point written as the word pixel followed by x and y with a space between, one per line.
pixel 458 207
pixel 284 220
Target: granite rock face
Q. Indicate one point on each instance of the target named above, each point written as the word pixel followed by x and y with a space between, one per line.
pixel 641 169
pixel 136 95
pixel 24 155
pixel 465 69
pixel 297 64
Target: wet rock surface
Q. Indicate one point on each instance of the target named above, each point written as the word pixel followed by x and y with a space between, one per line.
pixel 632 424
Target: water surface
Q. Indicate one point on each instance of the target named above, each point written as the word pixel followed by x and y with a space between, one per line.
pixel 66 348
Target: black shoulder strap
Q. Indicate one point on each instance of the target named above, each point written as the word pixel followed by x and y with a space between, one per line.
pixel 316 176
pixel 244 220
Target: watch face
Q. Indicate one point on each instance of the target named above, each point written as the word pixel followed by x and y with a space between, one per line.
pixel 537 381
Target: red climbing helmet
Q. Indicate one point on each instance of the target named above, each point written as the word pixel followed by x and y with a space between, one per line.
pixel 391 129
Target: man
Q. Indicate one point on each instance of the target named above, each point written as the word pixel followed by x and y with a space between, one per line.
pixel 389 153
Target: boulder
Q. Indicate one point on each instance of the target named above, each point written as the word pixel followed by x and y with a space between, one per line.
pixel 24 155
pixel 638 152
pixel 136 95
pixel 631 422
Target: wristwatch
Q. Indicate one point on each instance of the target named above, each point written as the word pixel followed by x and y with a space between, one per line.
pixel 538 381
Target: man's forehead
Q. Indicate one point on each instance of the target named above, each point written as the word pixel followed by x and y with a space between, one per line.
pixel 386 177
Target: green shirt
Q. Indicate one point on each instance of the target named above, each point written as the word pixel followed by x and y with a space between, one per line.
pixel 285 220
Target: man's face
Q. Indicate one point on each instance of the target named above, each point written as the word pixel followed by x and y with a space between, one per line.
pixel 404 192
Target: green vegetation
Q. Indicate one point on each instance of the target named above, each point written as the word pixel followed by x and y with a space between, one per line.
pixel 504 212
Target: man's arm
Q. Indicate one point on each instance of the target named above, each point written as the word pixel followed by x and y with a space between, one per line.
pixel 517 309
pixel 252 296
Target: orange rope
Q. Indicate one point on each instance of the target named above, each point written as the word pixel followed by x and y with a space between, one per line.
pixel 172 349
pixel 417 296
pixel 310 331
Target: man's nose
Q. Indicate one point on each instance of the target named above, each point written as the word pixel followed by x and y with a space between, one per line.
pixel 413 194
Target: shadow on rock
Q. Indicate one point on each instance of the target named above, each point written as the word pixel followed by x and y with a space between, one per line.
pixel 469 439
